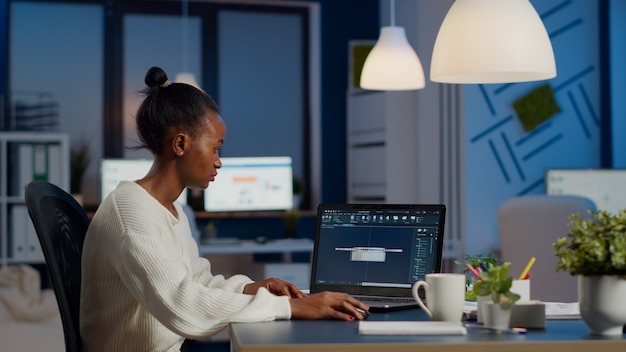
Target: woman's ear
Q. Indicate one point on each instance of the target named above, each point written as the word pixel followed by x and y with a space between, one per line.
pixel 179 144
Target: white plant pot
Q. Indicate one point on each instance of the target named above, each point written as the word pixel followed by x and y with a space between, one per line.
pixel 480 307
pixel 603 304
pixel 496 316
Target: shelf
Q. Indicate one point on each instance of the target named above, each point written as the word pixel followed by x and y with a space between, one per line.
pixel 248 214
pixel 25 156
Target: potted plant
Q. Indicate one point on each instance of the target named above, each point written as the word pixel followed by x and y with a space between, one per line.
pixel 595 251
pixel 297 192
pixel 477 262
pixel 291 219
pixel 495 284
pixel 79 161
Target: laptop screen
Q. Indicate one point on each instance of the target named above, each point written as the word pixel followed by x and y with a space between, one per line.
pixel 376 249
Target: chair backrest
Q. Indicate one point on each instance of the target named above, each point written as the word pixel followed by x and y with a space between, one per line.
pixel 527 227
pixel 61 224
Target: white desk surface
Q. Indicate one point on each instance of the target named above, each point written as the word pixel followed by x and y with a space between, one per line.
pixel 252 247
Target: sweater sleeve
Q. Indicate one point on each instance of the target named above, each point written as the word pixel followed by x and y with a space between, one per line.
pixel 202 271
pixel 189 300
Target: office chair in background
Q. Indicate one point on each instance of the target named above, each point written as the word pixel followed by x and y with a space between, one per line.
pixel 61 224
pixel 527 227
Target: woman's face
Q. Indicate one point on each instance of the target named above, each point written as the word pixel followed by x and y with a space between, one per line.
pixel 203 157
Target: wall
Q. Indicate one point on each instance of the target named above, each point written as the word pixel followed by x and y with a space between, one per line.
pixel 63 56
pixel 341 21
pixel 617 54
pixel 576 48
pixel 4 45
pixel 503 160
pixel 496 159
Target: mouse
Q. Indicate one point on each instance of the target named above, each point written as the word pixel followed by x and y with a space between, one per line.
pixel 365 313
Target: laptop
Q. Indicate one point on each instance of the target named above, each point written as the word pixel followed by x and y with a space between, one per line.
pixel 375 252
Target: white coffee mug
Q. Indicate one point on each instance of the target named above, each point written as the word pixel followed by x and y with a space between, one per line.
pixel 445 296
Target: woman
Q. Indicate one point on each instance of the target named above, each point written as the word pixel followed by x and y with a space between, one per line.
pixel 144 285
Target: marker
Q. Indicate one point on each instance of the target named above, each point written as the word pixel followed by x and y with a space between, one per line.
pixel 520 331
pixel 473 271
pixel 527 268
pixel 483 266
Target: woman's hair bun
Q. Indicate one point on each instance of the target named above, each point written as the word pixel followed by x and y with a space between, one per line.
pixel 155 77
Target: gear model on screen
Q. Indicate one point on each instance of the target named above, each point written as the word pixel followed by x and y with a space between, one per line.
pixel 368 254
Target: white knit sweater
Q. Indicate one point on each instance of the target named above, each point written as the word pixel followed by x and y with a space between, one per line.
pixel 145 287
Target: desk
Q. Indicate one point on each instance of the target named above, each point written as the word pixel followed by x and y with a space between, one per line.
pixel 328 335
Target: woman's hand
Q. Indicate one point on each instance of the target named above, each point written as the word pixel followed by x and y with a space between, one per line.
pixel 327 305
pixel 275 286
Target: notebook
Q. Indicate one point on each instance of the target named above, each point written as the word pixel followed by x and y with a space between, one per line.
pixel 376 252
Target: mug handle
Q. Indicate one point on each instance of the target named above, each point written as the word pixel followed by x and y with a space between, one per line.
pixel 416 295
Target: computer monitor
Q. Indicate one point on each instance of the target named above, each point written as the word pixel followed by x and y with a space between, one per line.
pixel 605 187
pixel 251 184
pixel 112 171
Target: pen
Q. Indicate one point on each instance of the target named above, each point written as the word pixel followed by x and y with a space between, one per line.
pixel 483 266
pixel 527 268
pixel 511 330
pixel 473 271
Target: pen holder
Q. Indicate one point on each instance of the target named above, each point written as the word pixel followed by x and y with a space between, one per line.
pixel 521 287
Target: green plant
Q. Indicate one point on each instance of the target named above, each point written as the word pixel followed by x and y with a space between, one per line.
pixel 291 219
pixel 594 246
pixel 297 185
pixel 496 283
pixel 79 161
pixel 475 261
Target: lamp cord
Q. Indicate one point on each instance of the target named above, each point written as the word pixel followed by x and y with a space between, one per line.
pixel 185 20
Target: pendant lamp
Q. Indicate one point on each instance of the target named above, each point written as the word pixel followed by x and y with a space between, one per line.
pixel 185 76
pixel 492 41
pixel 392 64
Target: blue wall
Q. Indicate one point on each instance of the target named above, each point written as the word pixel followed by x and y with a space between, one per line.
pixel 502 159
pixel 617 55
pixel 4 43
pixel 342 21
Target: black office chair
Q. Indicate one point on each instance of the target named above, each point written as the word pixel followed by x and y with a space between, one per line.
pixel 61 224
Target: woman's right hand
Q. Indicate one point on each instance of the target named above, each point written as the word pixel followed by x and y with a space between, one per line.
pixel 327 305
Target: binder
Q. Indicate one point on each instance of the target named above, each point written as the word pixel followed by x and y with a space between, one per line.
pixel 25 162
pixel 39 162
pixel 18 234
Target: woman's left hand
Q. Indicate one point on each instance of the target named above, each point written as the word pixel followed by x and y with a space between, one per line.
pixel 275 286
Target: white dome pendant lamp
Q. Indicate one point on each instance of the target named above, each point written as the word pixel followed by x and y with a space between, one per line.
pixel 392 64
pixel 492 41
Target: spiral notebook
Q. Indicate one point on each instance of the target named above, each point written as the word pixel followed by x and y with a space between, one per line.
pixel 376 252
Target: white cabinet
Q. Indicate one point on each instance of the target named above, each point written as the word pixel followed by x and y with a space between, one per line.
pixel 27 156
pixel 382 147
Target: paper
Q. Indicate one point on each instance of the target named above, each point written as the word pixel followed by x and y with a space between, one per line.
pixel 560 310
pixel 554 310
pixel 411 328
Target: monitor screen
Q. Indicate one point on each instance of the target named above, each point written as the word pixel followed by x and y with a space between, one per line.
pixel 605 187
pixel 251 184
pixel 112 171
